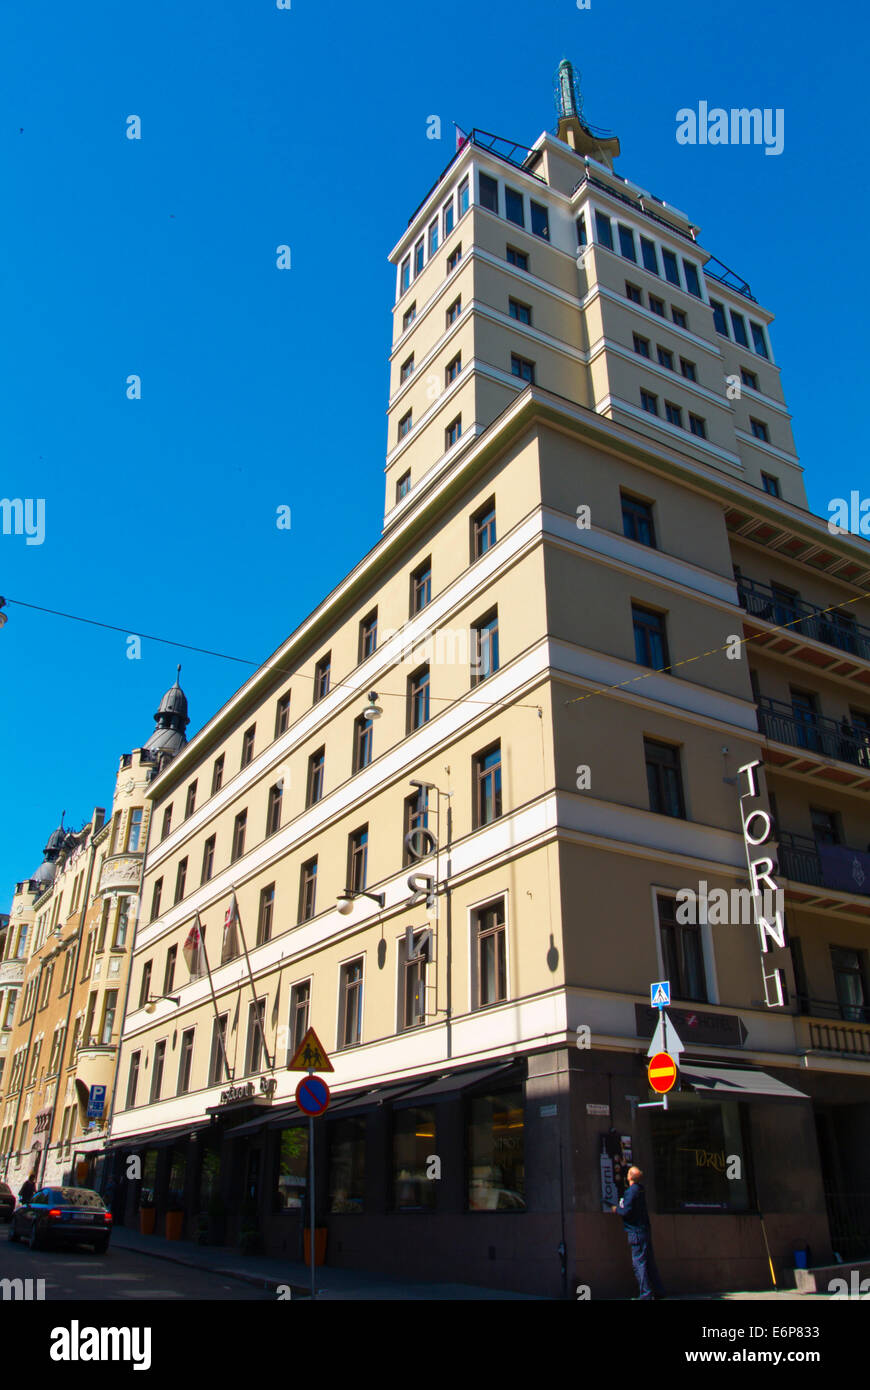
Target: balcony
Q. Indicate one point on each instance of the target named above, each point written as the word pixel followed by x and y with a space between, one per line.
pixel 832 871
pixel 843 1036
pixel 11 972
pixel 838 629
pixel 815 734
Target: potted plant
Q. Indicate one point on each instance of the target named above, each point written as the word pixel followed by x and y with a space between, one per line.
pixel 147 1214
pixel 174 1219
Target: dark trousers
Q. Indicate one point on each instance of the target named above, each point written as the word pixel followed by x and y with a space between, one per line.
pixel 644 1261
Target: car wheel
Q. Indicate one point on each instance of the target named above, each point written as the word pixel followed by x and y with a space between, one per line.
pixel 34 1240
pixel 13 1234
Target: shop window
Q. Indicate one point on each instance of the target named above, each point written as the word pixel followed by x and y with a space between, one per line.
pixel 495 1149
pixel 700 1157
pixel 413 1143
pixel 292 1168
pixel 149 1177
pixel 347 1164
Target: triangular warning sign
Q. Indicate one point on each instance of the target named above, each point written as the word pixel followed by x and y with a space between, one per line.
pixel 310 1055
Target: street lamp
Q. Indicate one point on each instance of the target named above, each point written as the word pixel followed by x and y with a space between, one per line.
pixel 372 709
pixel 151 1004
pixel 345 900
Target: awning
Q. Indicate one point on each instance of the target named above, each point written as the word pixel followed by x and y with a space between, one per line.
pixel 734 1081
pixel 454 1083
pixel 156 1138
pixel 252 1127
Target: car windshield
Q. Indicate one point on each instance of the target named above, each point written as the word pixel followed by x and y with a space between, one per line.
pixel 78 1197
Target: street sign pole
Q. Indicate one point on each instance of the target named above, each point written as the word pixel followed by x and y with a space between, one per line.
pixel 311 1160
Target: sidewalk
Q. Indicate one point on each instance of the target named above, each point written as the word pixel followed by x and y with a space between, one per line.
pixel 270 1272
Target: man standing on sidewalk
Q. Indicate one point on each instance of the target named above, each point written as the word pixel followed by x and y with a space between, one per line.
pixel 635 1219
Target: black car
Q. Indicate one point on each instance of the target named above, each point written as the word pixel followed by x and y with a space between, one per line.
pixel 68 1215
pixel 7 1202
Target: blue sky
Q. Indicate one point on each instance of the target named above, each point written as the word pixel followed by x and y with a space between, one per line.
pixel 307 127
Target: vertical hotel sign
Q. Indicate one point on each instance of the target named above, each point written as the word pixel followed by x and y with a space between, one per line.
pixel 766 892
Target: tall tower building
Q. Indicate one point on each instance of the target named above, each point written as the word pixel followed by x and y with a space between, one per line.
pixel 602 673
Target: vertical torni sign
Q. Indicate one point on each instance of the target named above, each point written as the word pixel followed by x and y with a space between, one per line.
pixel 766 900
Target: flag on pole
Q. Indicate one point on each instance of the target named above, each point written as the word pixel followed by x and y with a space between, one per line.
pixel 461 137
pixel 230 946
pixel 192 949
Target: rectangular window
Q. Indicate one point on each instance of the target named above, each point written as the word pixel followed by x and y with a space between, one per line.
pixel 217 775
pixel 759 429
pixel 698 426
pixel 486 777
pixel 185 1061
pixel 347 1164
pixel 405 275
pixel 688 369
pixel 483 530
pixel 433 238
pixel 749 378
pixel 167 822
pixel 412 981
pixel 682 955
pixel 416 818
pixel 157 1069
pixel 368 635
pixel 650 258
pixel 719 322
pixel 403 486
pixel 217 1067
pixel 190 802
pixel 418 699
pixel 273 808
pixel 491 953
pixel 633 292
pixel 463 197
pixel 453 432
pixel 300 1005
pixel 641 345
pixel 770 484
pixel 447 219
pixel 282 714
pixel 582 238
pixel 758 339
pixel 133 1080
pixel 657 305
pixel 357 859
pixel 421 587
pixel 484 648
pixel 418 257
pixel 513 206
pixel 156 894
pixel 850 983
pixel 248 745
pixel 240 826
pixel 540 220
pixel 454 258
pixel 208 859
pixel 637 520
pixel 351 996
pixel 666 358
pixel 406 368
pixel 169 971
pixel 603 231
pixel 265 914
pixel 664 779
pixel 134 833
pixel 409 315
pixel 413 1142
pixel 679 318
pixel 145 986
pixel 362 742
pixel 453 312
pixel 452 370
pixel 672 271
pixel 517 258
pixel 523 368
pixel 649 401
pixel 321 677
pixel 683 1137
pixel 673 414
pixel 627 247
pixel 308 889
pixel 314 786
pixel 693 282
pixel 180 879
pixel 519 311
pixel 405 424
pixel 254 1043
pixel 488 192
pixel 650 637
pixel 121 923
pixel 738 324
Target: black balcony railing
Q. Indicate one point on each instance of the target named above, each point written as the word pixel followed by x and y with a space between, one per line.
pixel 799 858
pixel 840 867
pixel 816 733
pixel 835 629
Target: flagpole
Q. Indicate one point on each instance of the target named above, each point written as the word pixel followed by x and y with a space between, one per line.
pixel 251 978
pixel 199 928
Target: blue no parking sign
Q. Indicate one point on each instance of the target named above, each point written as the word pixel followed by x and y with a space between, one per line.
pixel 312 1095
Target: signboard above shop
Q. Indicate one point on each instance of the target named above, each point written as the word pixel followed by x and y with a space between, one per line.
pixel 694 1026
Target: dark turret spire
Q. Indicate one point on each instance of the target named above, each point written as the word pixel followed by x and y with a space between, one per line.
pixel 171 720
pixel 572 129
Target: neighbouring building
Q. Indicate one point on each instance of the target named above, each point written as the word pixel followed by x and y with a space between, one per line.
pixel 452 821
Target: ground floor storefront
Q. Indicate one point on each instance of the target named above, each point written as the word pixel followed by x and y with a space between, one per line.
pixel 503 1173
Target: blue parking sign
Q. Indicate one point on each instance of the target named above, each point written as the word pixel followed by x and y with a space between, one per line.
pixel 96 1102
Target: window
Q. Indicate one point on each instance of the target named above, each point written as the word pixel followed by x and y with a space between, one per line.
pixel 413 1142
pixel 487 786
pixel 157 1069
pixel 300 1004
pixel 684 1133
pixel 217 1066
pixel 184 1061
pixel 418 257
pixel 749 378
pixel 321 677
pixel 484 648
pixel 121 923
pixel 758 339
pixel 517 258
pixel 308 889
pixel 362 742
pixel 447 219
pixel 759 429
pixel 666 358
pixel 719 322
pixel 770 484
pixel 850 983
pixel 145 987
pixel 273 808
pixel 405 424
pixel 627 247
pixel 368 635
pixel 483 530
pixel 637 520
pixel 673 414
pixel 240 825
pixel 180 879
pixel 648 254
pixel 641 345
pixel 682 954
pixel 454 258
pixel 404 275
pixel 416 818
pixel 688 369
pixel 603 231
pixel 314 787
pixel 412 981
pixel 826 827
pixel 521 367
pixel 633 293
pixel 410 313
pixel 133 840
pixel 679 318
pixel 217 775
pixel 513 206
pixel 650 638
pixel 208 859
pixel 433 238
pixel 453 312
pixel 738 324
pixel 657 305
pixel 488 193
pixel 167 822
pixel 421 587
pixel 133 1080
pixel 357 859
pixel 491 954
pixel 406 368
pixel 693 282
pixel 463 197
pixel 453 432
pixel 418 699
pixel 248 745
pixel 265 912
pixel 452 370
pixel 649 401
pixel 169 972
pixel 190 802
pixel 254 1046
pixel 403 486
pixel 698 426
pixel 347 1164
pixel 156 894
pixel 350 1024
pixel 664 780
pixel 540 220
pixel 672 272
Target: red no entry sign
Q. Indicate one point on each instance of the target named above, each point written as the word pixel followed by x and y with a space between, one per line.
pixel 312 1095
pixel 662 1072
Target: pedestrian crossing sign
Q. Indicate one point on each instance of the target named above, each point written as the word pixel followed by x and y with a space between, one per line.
pixel 660 994
pixel 310 1055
